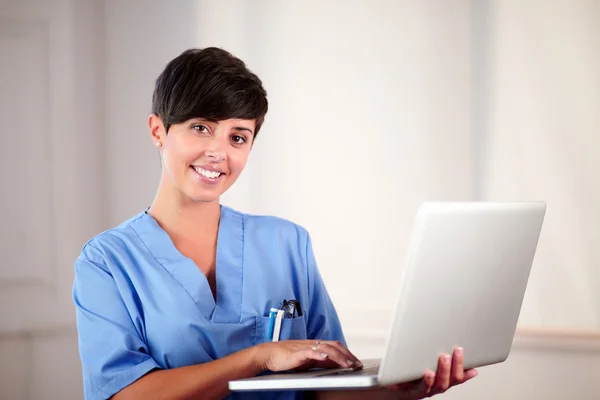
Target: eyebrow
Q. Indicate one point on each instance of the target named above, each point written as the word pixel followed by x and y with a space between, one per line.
pixel 237 128
pixel 242 128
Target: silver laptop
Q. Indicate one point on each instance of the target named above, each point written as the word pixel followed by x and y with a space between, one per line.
pixel 463 283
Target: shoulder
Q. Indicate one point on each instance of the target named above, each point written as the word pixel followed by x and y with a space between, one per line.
pixel 123 235
pixel 269 223
pixel 271 227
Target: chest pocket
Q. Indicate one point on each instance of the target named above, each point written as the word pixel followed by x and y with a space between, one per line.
pixel 291 329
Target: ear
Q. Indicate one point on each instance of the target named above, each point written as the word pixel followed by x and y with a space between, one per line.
pixel 157 130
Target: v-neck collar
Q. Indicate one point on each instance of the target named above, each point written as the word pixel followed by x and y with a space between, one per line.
pixel 229 265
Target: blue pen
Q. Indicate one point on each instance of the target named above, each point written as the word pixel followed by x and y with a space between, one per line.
pixel 272 316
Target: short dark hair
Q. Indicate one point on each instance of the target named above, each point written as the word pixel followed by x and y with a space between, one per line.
pixel 208 83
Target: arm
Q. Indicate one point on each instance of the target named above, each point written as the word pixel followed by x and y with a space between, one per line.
pixel 116 360
pixel 118 363
pixel 209 380
pixel 206 381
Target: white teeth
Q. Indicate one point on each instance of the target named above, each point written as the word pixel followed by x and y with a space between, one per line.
pixel 207 174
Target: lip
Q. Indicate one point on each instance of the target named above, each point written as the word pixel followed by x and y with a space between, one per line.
pixel 211 168
pixel 203 179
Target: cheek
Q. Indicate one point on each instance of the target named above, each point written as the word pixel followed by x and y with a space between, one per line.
pixel 182 154
pixel 237 162
pixel 174 163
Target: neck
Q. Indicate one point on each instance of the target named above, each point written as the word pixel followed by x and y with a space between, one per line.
pixel 181 216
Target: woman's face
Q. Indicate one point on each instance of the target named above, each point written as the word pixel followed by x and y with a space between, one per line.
pixel 202 159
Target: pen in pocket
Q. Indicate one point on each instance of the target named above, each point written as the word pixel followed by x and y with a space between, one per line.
pixel 277 328
pixel 272 316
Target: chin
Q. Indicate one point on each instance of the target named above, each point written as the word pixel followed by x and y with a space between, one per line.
pixel 206 193
pixel 204 198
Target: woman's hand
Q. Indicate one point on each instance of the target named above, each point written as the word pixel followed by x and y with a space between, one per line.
pixel 302 355
pixel 450 372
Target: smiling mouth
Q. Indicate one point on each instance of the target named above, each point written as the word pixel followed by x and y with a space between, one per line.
pixel 206 173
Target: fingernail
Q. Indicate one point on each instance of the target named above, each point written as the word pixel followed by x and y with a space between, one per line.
pixel 349 362
pixel 324 355
pixel 359 363
pixel 446 358
pixel 460 351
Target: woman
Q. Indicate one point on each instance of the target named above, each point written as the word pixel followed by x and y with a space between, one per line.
pixel 174 302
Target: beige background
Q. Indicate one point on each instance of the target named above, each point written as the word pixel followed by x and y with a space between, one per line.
pixel 375 107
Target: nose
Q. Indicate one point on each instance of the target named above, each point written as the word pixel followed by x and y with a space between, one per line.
pixel 215 152
pixel 215 156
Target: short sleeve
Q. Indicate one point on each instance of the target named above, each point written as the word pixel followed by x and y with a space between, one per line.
pixel 112 353
pixel 323 321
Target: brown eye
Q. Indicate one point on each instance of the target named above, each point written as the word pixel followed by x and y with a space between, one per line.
pixel 238 139
pixel 200 128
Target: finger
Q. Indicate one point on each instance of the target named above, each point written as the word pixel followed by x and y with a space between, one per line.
pixel 470 374
pixel 335 354
pixel 442 376
pixel 428 381
pixel 418 389
pixel 410 386
pixel 351 359
pixel 325 364
pixel 415 389
pixel 307 354
pixel 457 374
pixel 305 365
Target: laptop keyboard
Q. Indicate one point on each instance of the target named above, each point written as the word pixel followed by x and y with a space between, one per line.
pixel 367 371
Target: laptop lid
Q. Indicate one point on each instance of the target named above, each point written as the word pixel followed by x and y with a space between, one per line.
pixel 463 283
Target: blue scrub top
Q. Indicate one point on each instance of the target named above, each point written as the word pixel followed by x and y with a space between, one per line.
pixel 142 305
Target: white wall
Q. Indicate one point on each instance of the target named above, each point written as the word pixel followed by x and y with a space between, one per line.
pixel 363 126
pixel 374 108
pixel 378 106
pixel 38 343
pixel 108 61
pixel 542 143
pixel 141 37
